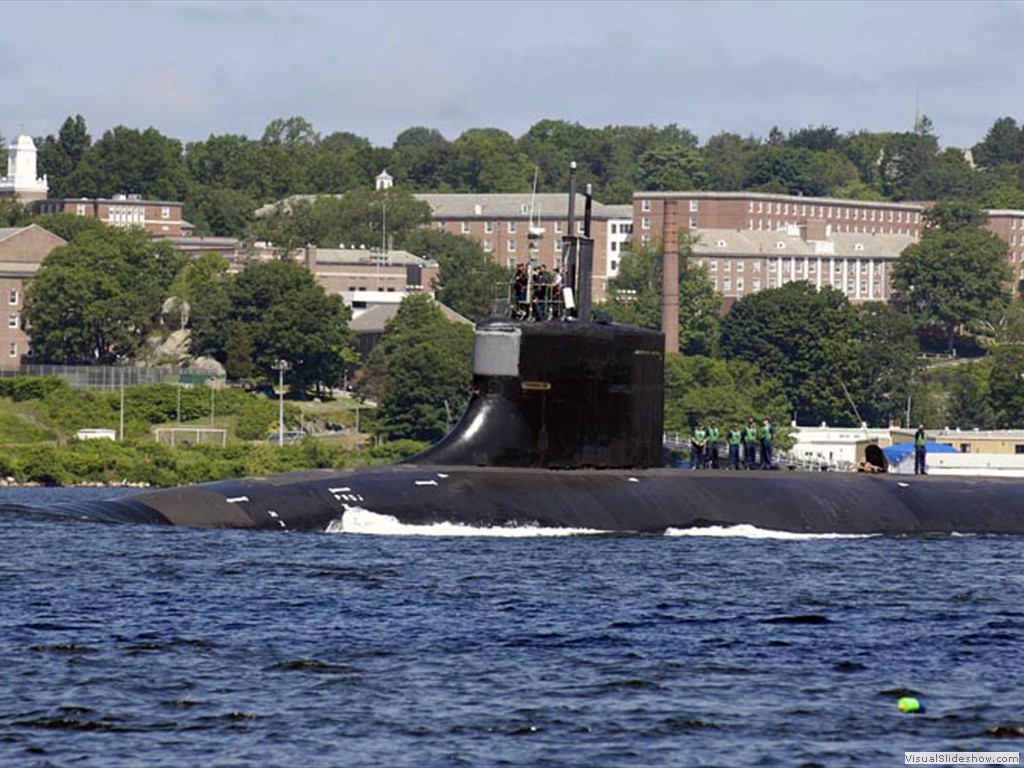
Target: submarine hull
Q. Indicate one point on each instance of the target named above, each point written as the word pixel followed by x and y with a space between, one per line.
pixel 638 501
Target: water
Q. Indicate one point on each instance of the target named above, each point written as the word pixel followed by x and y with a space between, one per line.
pixel 150 646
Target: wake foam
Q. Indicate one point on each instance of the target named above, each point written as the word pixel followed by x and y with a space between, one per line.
pixel 753 532
pixel 359 520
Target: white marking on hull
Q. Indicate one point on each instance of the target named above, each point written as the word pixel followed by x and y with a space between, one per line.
pixel 277 517
pixel 426 482
pixel 236 499
pixel 345 494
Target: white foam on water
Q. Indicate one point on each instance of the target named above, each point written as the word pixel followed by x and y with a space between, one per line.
pixel 359 520
pixel 753 532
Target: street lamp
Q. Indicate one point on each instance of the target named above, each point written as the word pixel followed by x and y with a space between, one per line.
pixel 280 366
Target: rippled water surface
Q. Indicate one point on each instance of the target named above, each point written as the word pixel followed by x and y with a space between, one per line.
pixel 149 646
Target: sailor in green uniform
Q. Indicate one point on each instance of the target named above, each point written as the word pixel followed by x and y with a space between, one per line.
pixel 733 438
pixel 766 435
pixel 698 442
pixel 749 443
pixel 711 456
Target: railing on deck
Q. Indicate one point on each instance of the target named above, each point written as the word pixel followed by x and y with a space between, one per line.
pixel 530 301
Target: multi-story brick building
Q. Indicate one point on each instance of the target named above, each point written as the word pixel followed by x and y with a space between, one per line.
pixel 368 278
pixel 22 250
pixel 750 241
pixel 515 228
pixel 1009 226
pixel 160 218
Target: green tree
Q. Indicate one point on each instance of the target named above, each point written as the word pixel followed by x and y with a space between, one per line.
pixel 357 217
pixel 969 404
pixel 13 213
pixel 344 161
pixel 60 156
pixel 488 160
pixel 422 155
pixel 672 167
pixel 956 273
pixel 131 161
pixel 220 212
pixel 238 352
pixel 699 388
pixel 1006 387
pixel 804 338
pixel 422 364
pixel 67 225
pixel 469 280
pixel 904 159
pixel 98 297
pixel 288 315
pixel 1002 145
pixel 726 156
pixel 227 162
pixel 204 284
pixel 888 361
pixel 634 296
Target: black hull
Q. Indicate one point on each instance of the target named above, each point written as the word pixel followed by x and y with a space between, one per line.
pixel 643 501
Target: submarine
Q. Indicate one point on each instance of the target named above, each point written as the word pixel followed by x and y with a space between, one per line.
pixel 563 430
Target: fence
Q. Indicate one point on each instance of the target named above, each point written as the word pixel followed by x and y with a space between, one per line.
pixel 99 376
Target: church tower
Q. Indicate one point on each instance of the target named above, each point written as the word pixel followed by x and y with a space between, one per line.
pixel 21 181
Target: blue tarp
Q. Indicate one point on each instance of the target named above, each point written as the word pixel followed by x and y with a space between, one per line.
pixel 894 454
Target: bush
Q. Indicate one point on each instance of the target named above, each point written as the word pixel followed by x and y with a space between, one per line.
pixel 395 450
pixel 23 388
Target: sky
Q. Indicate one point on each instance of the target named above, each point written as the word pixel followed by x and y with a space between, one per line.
pixel 192 69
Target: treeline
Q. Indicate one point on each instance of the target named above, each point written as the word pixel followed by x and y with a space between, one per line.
pixel 223 179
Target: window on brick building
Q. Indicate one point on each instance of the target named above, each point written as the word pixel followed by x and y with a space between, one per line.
pixel 488 227
pixel 645 206
pixel 12 297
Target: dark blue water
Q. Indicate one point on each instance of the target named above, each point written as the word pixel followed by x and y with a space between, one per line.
pixel 150 646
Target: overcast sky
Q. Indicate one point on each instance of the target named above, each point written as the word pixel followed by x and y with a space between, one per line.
pixel 192 69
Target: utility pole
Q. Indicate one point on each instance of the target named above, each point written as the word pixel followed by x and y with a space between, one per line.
pixel 280 366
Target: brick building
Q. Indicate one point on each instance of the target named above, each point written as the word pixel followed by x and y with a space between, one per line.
pixel 160 218
pixel 1009 226
pixel 750 241
pixel 22 250
pixel 368 278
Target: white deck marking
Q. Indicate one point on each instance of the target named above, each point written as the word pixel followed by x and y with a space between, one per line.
pixel 426 482
pixel 236 499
